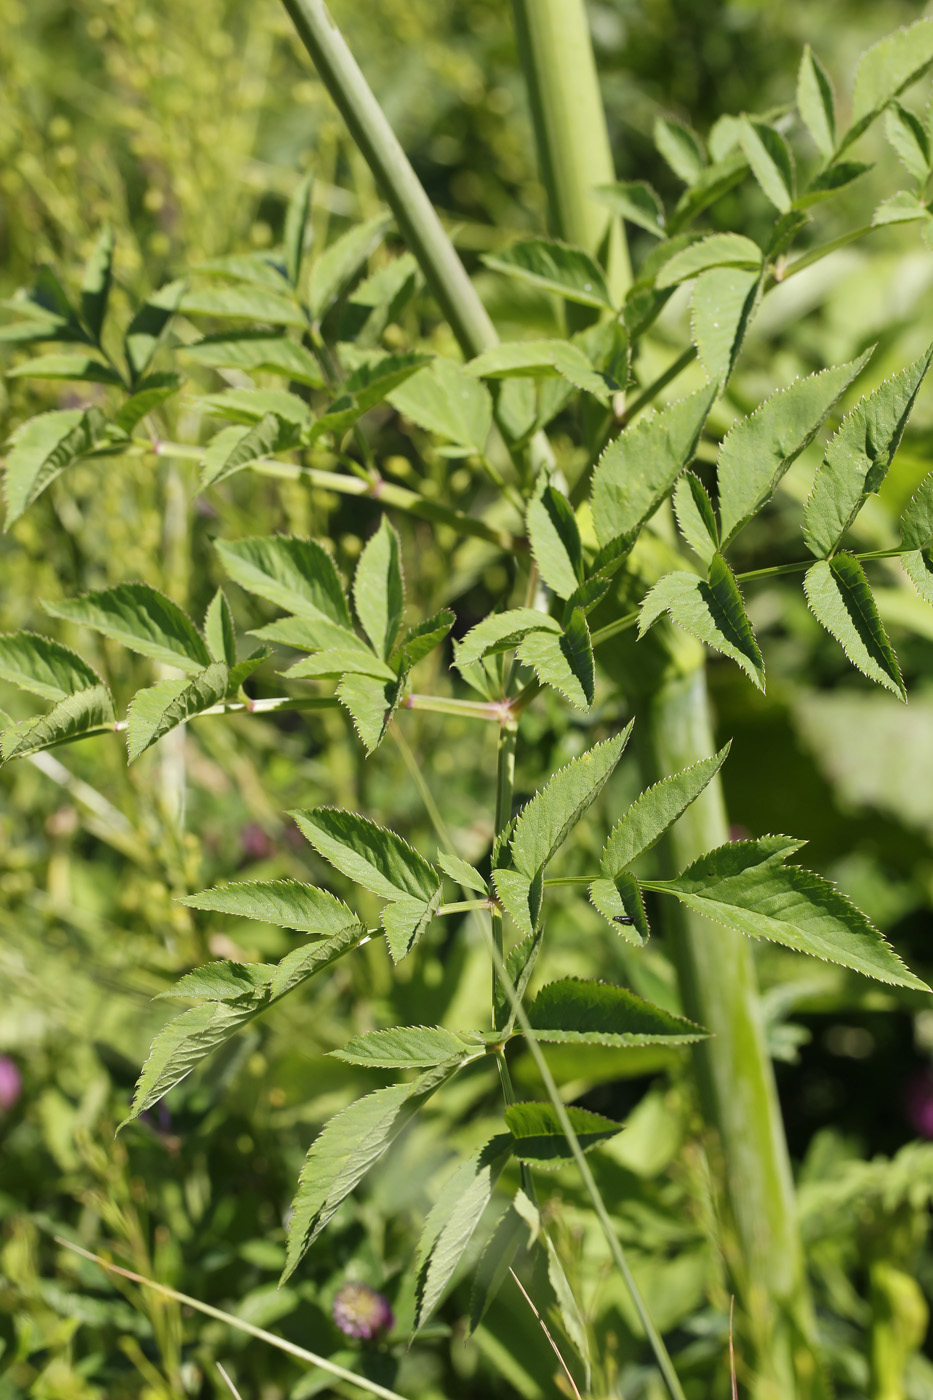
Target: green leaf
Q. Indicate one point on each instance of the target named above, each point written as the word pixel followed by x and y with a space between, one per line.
pixel 141 618
pixel 910 139
pixel 347 1147
pixel 724 301
pixel 242 303
pixel 378 300
pixel 555 541
pixel 76 367
pixel 222 981
pixel 576 1012
pixel 149 718
pixel 826 183
pixel 252 405
pixel 371 703
pixel 539 359
pixel 44 667
pixel 407 1047
pixel 771 161
pixel 150 393
pixel 745 886
pixel 555 267
pixel 635 201
pixel 309 634
pixel 292 573
pixel 368 854
pixel 285 903
pixel 816 103
pixel 379 588
pixel 452 1222
pixel 366 387
pixel 857 459
pixel 681 148
pixel 917 520
pixel 715 181
pixel 655 811
pixel 296 227
pixel 260 268
pixel 494 1264
pixel 520 962
pixel 758 450
pixel 918 564
pixel 337 266
pixel 537 1136
pixel 500 632
pixel 711 610
pixel 43 448
pixel 901 208
pixel 461 872
pixel 716 250
pixel 695 516
pixel 521 898
pixel 445 400
pixel 547 820
pixel 219 631
pixel 257 351
pixel 841 600
pixel 886 70
pixel 419 641
pixel 620 903
pixel 564 660
pixel 270 435
pixel 405 921
pixel 148 326
pixel 88 712
pixel 304 962
pixel 95 287
pixel 638 470
pixel 337 662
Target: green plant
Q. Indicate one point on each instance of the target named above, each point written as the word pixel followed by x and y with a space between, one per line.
pixel 593 555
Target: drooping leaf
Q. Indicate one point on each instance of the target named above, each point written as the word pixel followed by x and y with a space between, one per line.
pixel 407 1047
pixel 445 400
pixel 696 517
pixel 379 588
pixel 43 449
pixel 910 139
pixel 294 574
pixel 87 712
pixel 78 367
pixel 334 270
pixel 44 667
pixel 841 600
pixel 555 267
pixel 857 459
pixel 573 1011
pixel 150 393
pixel 555 541
pixel 406 920
pixel 371 703
pixel 816 103
pixel 716 250
pixel 724 301
pixel 461 872
pixel 917 519
pixel 564 660
pixel 758 450
pixel 219 630
pixel 681 147
pixel 500 632
pixel 539 359
pixel 296 227
pixel 419 641
pixel 285 903
pixel 95 286
pixel 771 161
pixel 141 618
pixel 620 903
pixel 147 724
pixel 744 885
pixel 638 469
pixel 371 856
pixel 521 897
pixel 886 70
pixel 710 609
pixel 655 811
pixel 637 202
pixel 271 434
pixel 538 1137
pixel 148 326
pixel 257 351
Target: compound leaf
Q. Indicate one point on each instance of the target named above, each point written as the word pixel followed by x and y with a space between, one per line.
pixel 294 574
pixel 500 632
pixel 284 903
pixel 710 610
pixel 724 301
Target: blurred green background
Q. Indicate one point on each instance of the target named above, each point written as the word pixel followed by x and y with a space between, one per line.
pixel 187 126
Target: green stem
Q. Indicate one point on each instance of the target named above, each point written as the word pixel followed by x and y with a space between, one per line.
pixel 445 705
pixel 816 255
pixel 463 906
pixel 505 790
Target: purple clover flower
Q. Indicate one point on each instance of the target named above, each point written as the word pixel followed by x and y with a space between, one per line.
pixel 359 1311
pixel 11 1083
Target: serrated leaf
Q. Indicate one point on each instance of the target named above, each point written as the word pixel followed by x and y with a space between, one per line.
pixel 88 712
pixel 445 400
pixel 758 450
pixel 771 161
pixel 636 202
pixel 902 208
pixel 538 1137
pixel 296 227
pixel 339 661
pixel 461 872
pixel 910 139
pixel 78 367
pixel 419 641
pixel 301 963
pixel 243 303
pixel 335 269
pixel 716 250
pixel 346 1148
pixel 405 921
pixel 620 903
pixel 710 610
pixel 251 406
pixel 378 300
pixel 284 903
pixel 555 541
pixel 141 618
pixel 43 449
pixel 271 434
pixel 294 574
pixel 257 351
pixel 713 182
pixel 146 724
pixel 547 820
pixel 918 564
pixel 309 634
pixel 371 704
pixel 260 268
pixel 148 326
pixel 826 183
pixel 95 286
pixel 500 632
pixel 521 897
pixel 150 393
pixel 724 301
pixel 857 459
pixel 555 267
pixel 886 70
pixel 146 709
pixel 816 103
pixel 520 962
pixel 681 148
pixel 564 660
pixel 638 469
pixel 695 516
pixel 745 886
pixel 406 1047
pixel 379 588
pixel 222 981
pixel 587 596
pixel 654 811
pixel 841 600
pixel 44 667
pixel 367 386
pixel 917 519
pixel 539 359
pixel 371 856
pixel 494 1264
pixel 219 631
pixel 576 1012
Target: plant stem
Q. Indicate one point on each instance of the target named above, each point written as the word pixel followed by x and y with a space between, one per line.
pixel 505 790
pixel 816 255
pixel 446 705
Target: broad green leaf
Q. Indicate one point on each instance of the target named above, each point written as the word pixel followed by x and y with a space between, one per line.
pixel 150 393
pixel 538 1137
pixel 242 303
pixel 695 516
pixel 257 351
pixel 95 286
pixel 540 358
pixel 452 1222
pixel 654 811
pixel 771 161
pixel 816 103
pixel 260 268
pixel 335 269
pixel 146 709
pixel 588 595
pixel 294 574
pixel 544 824
pixel 147 723
pixel 715 181
pixel 745 886
pixel 724 301
pixel 681 148
pixel 346 1148
pixel 419 641
pixel 371 704
pixel 252 405
pixel 141 618
pixel 918 564
pixel 620 903
pixel 44 667
pixel 285 903
pixel 445 400
pixel 709 609
pixel 910 139
pixel 244 669
pixel 638 469
pixel 573 1011
pixel 716 250
pixel 88 712
pixel 555 267
pixel 500 632
pixel 43 449
pixel 309 634
pixel 494 1264
pixel 758 450
pixel 635 201
pixel 148 326
pixel 564 660
pixel 841 600
pixel 521 898
pixel 917 520
pixel 461 872
pixel 405 921
pixel 219 631
pixel 857 459
pixel 520 962
pixel 222 981
pixel 555 541
pixel 296 227
pixel 886 70
pixel 407 1047
pixel 77 367
pixel 337 661
pixel 371 856
pixel 379 588
pixel 902 208
pixel 826 183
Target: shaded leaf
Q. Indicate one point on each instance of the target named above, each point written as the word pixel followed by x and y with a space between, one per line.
pixel 148 326
pixel 713 182
pixel 636 202
pixel 620 903
pixel 520 962
pixel 711 610
pixel 150 393
pixel 917 519
pixel 271 434
pixel 537 1136
pixel 716 250
pixel 338 265
pixel 841 600
pixel 771 161
pixel 444 399
pixel 296 227
pixel 555 267
pixel 564 660
pixel 494 1264
pixel 910 139
pixel 141 618
pixel 419 641
pixel 95 286
pixel 695 516
pixel 573 1011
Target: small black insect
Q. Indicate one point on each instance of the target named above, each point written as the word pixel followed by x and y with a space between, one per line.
pixel 623 919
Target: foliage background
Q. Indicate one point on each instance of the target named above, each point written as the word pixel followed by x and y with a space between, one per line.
pixel 187 126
